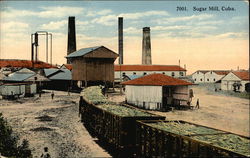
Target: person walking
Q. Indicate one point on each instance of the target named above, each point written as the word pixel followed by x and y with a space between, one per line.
pixel 197 104
pixel 52 95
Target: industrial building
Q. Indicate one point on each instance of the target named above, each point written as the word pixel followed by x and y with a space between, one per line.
pixel 236 81
pixel 141 70
pixel 208 76
pixel 157 92
pixel 93 65
pixel 60 79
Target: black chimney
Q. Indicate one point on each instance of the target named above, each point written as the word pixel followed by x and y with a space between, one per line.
pixel 120 39
pixel 71 36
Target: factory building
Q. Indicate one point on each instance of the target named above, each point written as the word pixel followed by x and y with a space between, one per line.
pixel 236 81
pixel 157 92
pixel 208 76
pixel 141 70
pixel 93 65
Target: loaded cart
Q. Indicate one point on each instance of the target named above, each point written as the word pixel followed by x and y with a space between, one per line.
pixel 184 139
pixel 114 124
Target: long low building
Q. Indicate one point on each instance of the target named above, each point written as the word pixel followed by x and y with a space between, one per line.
pixel 157 92
pixel 208 76
pixel 141 70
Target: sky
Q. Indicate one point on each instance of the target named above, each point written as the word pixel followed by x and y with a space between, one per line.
pixel 201 39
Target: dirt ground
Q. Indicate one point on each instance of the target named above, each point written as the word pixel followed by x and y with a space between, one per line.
pixel 216 110
pixel 51 123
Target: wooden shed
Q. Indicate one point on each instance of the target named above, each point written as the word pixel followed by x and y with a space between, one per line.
pixel 93 65
pixel 157 92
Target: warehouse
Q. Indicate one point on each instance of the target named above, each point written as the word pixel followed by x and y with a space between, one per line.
pixel 236 81
pixel 157 92
pixel 208 76
pixel 170 70
pixel 93 65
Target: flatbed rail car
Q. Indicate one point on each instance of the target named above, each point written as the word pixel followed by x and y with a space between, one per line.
pixel 184 139
pixel 114 124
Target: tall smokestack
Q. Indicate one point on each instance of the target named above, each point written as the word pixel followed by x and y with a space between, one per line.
pixel 146 47
pixel 120 39
pixel 71 36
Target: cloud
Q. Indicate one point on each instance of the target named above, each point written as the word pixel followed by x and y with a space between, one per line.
pixel 46 12
pixel 106 20
pixel 60 11
pixel 183 19
pixel 132 30
pixel 233 35
pixel 54 25
pixel 111 19
pixel 96 13
pixel 14 27
pixel 143 14
pixel 176 27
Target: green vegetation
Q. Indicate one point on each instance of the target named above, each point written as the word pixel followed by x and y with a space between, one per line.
pixel 183 128
pixel 94 95
pixel 228 141
pixel 123 111
pixel 8 142
pixel 231 142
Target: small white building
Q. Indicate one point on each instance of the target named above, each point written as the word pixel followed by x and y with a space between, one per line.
pixel 156 92
pixel 236 80
pixel 141 70
pixel 208 76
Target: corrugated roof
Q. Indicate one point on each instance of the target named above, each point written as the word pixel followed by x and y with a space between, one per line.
pixel 157 80
pixel 82 52
pixel 244 75
pixel 148 68
pixel 48 72
pixel 24 63
pixel 18 76
pixel 64 74
pixel 221 72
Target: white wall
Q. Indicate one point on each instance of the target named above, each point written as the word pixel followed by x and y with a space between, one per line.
pixel 228 81
pixel 150 95
pixel 12 89
pixel 211 77
pixel 141 73
pixel 198 77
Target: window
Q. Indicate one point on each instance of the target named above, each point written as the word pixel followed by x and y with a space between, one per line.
pixel 201 79
pixel 172 74
pixel 198 72
pixel 214 79
pixel 181 74
pixel 211 72
pixel 207 79
pixel 195 79
pixel 123 74
pixel 134 73
pixel 144 73
pixel 163 73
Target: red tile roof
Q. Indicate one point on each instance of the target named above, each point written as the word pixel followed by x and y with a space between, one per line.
pixel 68 66
pixel 24 63
pixel 221 72
pixel 157 80
pixel 244 75
pixel 148 68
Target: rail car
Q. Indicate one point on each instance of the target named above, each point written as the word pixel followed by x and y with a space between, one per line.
pixel 136 133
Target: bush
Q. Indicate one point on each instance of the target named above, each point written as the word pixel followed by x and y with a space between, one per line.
pixel 8 142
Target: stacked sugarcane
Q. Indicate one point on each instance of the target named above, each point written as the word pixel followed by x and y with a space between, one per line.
pixel 214 137
pixel 94 95
pixel 123 111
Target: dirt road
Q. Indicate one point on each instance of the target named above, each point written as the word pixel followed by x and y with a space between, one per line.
pixel 51 123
